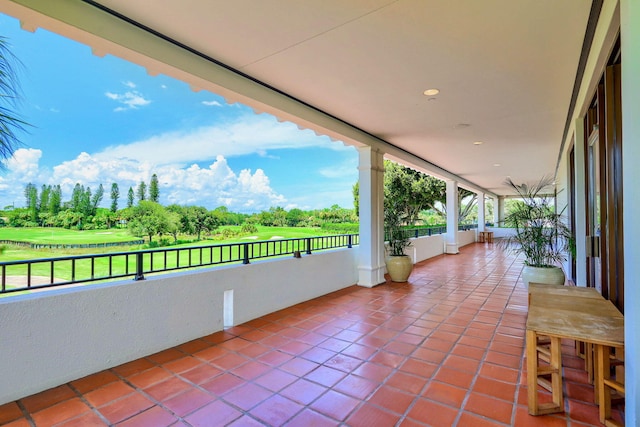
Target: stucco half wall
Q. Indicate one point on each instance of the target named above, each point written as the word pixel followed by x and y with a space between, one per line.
pixel 52 337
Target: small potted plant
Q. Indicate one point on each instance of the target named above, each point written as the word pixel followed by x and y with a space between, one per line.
pixel 540 232
pixel 399 265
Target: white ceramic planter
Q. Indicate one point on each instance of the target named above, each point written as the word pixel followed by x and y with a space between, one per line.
pixel 399 268
pixel 546 275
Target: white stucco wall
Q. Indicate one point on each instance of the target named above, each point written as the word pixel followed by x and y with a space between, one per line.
pixel 426 247
pixel 466 237
pixel 630 40
pixel 49 338
pixel 500 232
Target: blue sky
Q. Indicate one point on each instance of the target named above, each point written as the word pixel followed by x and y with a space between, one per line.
pixel 103 120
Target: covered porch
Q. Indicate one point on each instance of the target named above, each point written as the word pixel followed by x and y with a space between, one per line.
pixel 450 343
pixel 446 348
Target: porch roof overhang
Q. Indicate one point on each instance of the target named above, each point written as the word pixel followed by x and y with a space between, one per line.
pixel 356 71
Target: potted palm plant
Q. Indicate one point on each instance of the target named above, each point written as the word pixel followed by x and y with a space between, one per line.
pixel 540 232
pixel 399 265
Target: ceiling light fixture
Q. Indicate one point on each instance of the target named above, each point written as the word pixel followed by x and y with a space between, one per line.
pixel 431 92
pixel 496 164
pixel 478 143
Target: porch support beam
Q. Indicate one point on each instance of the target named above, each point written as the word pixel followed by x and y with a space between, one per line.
pixel 496 218
pixel 371 180
pixel 498 213
pixel 451 242
pixel 481 212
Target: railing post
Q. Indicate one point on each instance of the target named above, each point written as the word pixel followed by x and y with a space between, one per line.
pixel 139 269
pixel 350 242
pixel 308 239
pixel 245 248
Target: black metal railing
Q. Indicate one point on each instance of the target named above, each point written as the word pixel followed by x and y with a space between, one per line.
pixel 50 272
pixel 42 273
pixel 467 227
pixel 415 232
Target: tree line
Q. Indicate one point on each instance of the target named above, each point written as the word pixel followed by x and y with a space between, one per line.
pixel 45 207
pixel 145 217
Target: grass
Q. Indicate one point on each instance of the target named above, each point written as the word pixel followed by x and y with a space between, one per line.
pixel 272 233
pixel 106 266
pixel 52 235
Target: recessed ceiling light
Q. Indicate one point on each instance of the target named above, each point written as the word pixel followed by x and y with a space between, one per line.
pixel 431 92
pixel 478 143
pixel 461 126
pixel 497 164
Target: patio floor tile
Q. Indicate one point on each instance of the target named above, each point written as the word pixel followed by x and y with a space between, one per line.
pixel 444 349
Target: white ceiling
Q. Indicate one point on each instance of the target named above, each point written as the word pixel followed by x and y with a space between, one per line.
pixel 505 69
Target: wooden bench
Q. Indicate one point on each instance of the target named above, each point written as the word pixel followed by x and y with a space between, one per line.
pixel 575 313
pixel 485 236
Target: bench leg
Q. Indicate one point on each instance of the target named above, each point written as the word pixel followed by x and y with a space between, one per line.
pixel 534 371
pixel 604 385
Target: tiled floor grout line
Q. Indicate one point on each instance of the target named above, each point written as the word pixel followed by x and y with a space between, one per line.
pixel 441 344
pixel 485 353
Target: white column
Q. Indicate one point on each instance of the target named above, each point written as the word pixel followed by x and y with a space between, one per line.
pixel 630 42
pixel 451 242
pixel 481 212
pixel 496 209
pixel 500 210
pixel 371 249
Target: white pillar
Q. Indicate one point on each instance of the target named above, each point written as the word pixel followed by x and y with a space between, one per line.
pixel 500 210
pixel 371 249
pixel 630 42
pixel 496 213
pixel 481 212
pixel 451 243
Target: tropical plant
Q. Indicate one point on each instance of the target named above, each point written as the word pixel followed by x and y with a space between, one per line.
pixel 540 232
pixel 10 123
pixel 394 219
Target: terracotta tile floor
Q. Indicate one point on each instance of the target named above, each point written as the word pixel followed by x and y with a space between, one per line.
pixel 445 349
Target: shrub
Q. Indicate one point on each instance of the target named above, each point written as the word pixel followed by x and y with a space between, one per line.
pixel 228 233
pixel 248 228
pixel 341 228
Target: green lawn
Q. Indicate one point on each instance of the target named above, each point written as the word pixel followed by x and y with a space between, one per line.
pixel 62 235
pixel 272 233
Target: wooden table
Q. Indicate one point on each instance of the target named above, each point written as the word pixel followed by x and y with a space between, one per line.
pixel 584 350
pixel 565 291
pixel 573 313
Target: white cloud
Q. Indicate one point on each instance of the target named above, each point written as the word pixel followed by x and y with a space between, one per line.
pixel 130 84
pixel 211 187
pixel 130 99
pixel 340 170
pixel 212 103
pixel 219 185
pixel 248 134
pixel 21 169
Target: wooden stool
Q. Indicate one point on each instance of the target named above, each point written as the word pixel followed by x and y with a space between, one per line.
pixel 605 385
